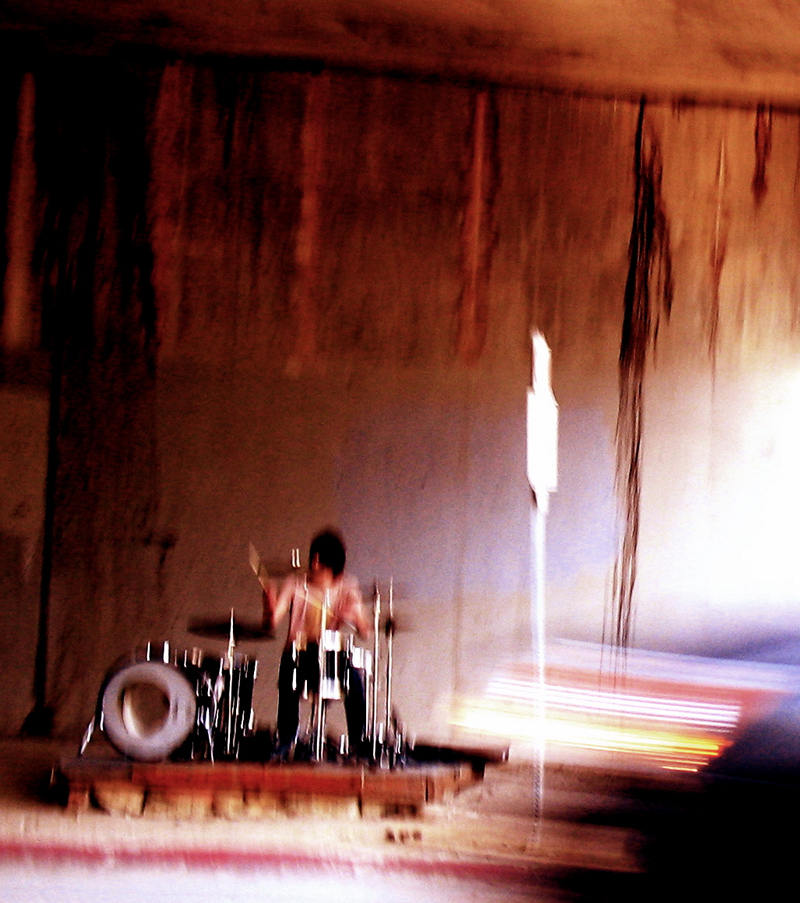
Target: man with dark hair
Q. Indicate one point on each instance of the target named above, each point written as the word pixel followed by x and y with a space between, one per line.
pixel 323 598
pixel 328 550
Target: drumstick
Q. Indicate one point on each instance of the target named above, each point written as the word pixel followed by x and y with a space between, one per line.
pixel 259 568
pixel 322 607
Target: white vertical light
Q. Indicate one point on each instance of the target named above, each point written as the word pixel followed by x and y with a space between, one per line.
pixel 542 475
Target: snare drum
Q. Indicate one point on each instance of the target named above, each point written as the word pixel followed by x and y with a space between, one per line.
pixel 307 656
pixel 332 649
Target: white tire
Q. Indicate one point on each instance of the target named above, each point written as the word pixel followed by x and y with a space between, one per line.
pixel 148 710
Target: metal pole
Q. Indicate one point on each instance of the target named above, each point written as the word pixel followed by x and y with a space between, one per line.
pixel 389 644
pixel 319 742
pixel 538 643
pixel 543 478
pixel 229 719
pixel 375 656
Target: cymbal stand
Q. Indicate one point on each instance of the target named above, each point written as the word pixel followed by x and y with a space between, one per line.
pixel 388 733
pixel 375 660
pixel 229 718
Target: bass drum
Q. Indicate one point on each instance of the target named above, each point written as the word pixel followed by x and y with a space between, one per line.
pixel 148 709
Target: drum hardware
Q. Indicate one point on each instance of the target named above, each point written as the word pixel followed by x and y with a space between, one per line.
pixel 318 747
pixel 389 649
pixel 322 672
pixel 376 615
pixel 165 651
pixel 147 709
pixel 230 720
pixel 96 722
pixel 328 679
pixel 236 719
pixel 228 716
pixel 387 735
pixel 220 693
pixel 220 629
pixel 154 705
pixel 239 695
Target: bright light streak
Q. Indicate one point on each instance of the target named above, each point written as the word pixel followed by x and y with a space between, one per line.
pixel 648 720
pixel 701 713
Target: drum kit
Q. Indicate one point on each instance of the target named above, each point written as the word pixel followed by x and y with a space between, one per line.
pixel 193 704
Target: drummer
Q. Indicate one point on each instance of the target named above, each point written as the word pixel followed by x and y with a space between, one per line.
pixel 323 590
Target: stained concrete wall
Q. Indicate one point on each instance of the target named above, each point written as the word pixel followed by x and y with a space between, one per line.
pixel 278 300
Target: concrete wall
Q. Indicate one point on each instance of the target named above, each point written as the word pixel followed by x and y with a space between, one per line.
pixel 283 300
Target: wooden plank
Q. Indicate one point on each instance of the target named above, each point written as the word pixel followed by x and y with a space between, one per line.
pixel 405 787
pixel 275 778
pixel 119 796
pixel 180 803
pixel 79 797
pixel 237 790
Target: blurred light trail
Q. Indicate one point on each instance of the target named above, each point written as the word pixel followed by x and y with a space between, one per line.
pixel 665 711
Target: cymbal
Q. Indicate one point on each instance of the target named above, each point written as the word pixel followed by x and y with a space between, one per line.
pixel 221 629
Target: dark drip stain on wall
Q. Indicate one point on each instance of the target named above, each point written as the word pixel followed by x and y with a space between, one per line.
pixel 648 297
pixel 763 147
pixel 478 235
pixel 719 246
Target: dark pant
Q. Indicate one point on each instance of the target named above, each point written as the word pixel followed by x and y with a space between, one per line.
pixel 301 669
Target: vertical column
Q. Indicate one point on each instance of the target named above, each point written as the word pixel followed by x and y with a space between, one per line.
pixel 302 301
pixel 476 242
pixel 18 328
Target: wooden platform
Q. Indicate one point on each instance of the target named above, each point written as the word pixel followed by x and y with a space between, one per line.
pixel 246 789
